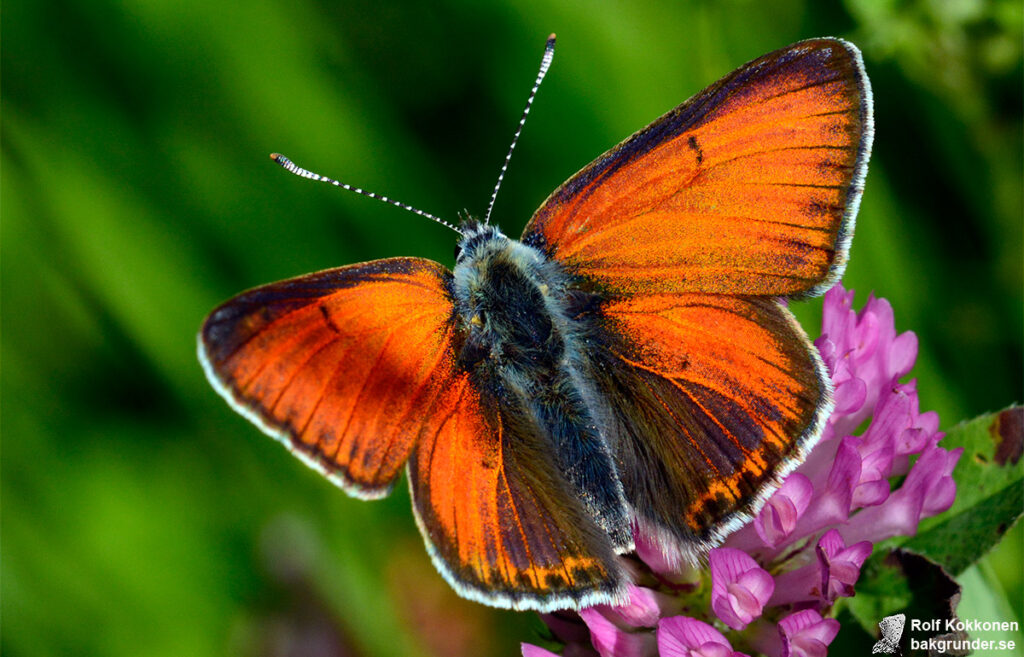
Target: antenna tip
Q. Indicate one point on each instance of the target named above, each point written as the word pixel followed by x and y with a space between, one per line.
pixel 281 160
pixel 551 39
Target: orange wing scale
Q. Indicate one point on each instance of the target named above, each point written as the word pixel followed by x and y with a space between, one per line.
pixel 339 365
pixel 714 397
pixel 509 533
pixel 748 188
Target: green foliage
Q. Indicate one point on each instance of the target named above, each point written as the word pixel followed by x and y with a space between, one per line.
pixel 990 492
pixel 140 515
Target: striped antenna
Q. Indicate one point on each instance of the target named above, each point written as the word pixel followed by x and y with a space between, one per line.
pixel 545 64
pixel 306 173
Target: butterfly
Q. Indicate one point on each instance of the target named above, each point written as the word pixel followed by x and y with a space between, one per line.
pixel 627 366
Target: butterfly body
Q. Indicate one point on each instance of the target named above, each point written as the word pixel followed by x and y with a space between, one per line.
pixel 626 367
pixel 525 343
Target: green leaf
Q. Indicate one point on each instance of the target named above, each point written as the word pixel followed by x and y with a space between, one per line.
pixel 983 597
pixel 990 492
pixel 854 639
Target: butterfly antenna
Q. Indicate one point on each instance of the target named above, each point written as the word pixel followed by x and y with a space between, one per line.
pixel 545 64
pixel 306 173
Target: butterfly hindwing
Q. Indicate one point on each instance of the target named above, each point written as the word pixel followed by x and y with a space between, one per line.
pixel 713 399
pixel 749 187
pixel 338 365
pixel 498 518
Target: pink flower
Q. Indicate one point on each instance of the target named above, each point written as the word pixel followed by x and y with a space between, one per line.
pixel 686 637
pixel 567 627
pixel 807 634
pixel 612 641
pixel 739 587
pixel 666 561
pixel 834 498
pixel 875 468
pixel 862 346
pixel 928 489
pixel 535 651
pixel 644 609
pixel 779 516
pixel 832 574
pixel 840 565
pixel 814 533
pixel 898 425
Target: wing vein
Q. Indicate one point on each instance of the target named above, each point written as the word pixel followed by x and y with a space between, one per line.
pixel 298 370
pixel 743 156
pixel 441 352
pixel 679 423
pixel 362 389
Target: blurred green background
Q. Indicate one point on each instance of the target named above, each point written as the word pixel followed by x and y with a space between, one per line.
pixel 142 517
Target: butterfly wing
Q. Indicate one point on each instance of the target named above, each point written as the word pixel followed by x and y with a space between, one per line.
pixel 355 371
pixel 338 365
pixel 749 187
pixel 498 519
pixel 713 399
pixel 683 234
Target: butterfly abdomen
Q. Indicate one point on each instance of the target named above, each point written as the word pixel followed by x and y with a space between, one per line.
pixel 522 345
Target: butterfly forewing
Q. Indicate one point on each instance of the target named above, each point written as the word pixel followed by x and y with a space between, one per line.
pixel 338 365
pixel 750 187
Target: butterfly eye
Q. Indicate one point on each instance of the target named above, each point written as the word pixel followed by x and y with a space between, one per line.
pixel 458 252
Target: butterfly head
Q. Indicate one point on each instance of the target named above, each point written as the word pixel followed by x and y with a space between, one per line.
pixel 480 246
pixel 478 240
pixel 497 282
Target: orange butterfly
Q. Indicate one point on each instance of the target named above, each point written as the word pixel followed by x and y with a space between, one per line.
pixel 626 366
